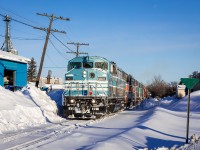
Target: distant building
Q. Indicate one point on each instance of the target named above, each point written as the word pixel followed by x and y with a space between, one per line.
pixel 53 80
pixel 181 91
pixel 13 69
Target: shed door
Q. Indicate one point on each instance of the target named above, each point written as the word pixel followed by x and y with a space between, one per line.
pixel 9 77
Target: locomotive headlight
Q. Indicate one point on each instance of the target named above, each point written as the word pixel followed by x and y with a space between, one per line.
pixel 72 101
pixel 93 101
pixel 84 74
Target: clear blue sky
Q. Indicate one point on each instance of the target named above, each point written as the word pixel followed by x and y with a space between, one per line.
pixel 144 37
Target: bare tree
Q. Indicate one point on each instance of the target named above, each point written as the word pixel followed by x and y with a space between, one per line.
pixel 159 88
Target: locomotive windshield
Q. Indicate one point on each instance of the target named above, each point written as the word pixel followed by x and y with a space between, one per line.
pixel 88 64
pixel 102 65
pixel 75 65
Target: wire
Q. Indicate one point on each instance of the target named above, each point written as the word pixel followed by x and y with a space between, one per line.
pixel 51 60
pixel 18 38
pixel 21 22
pixel 52 63
pixel 21 38
pixel 2 15
pixel 33 27
pixel 62 43
pixel 14 13
pixel 57 49
pixel 18 21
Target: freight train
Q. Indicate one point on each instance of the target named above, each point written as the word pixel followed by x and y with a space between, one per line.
pixel 95 86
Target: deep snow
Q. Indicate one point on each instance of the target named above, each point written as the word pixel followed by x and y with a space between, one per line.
pixel 29 107
pixel 153 124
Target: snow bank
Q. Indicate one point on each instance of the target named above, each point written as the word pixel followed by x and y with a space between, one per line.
pixel 173 103
pixel 29 107
pixel 44 102
pixel 148 103
pixel 153 102
pixel 193 145
pixel 181 105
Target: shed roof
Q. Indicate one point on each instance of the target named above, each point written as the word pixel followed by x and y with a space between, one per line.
pixel 181 87
pixel 13 57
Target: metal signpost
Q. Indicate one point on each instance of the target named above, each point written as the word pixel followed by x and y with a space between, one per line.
pixel 189 83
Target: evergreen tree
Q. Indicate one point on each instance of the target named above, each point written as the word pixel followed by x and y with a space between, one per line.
pixel 32 70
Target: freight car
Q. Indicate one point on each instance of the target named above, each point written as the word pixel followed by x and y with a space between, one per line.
pixel 95 86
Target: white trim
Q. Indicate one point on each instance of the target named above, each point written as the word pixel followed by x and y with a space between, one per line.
pixel 85 81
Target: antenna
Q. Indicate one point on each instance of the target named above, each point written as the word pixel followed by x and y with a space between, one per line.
pixel 7 45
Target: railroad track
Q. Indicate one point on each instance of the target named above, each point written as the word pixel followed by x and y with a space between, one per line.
pixel 47 134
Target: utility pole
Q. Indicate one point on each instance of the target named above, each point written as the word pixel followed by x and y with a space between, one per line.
pixel 77 48
pixel 48 30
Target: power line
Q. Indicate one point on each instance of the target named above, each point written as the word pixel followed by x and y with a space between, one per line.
pixel 51 60
pixel 44 28
pixel 19 21
pixel 22 38
pixel 62 43
pixel 27 32
pixel 14 13
pixel 57 49
pixel 22 22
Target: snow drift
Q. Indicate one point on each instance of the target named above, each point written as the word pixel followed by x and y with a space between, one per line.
pixel 29 107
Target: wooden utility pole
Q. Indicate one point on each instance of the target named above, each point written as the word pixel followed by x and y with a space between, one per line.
pixel 48 30
pixel 77 48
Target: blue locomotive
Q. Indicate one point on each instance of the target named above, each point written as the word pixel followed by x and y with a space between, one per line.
pixel 95 86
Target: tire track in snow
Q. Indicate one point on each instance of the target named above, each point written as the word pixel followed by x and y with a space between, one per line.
pixel 60 130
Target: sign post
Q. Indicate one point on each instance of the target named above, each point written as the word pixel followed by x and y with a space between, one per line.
pixel 190 83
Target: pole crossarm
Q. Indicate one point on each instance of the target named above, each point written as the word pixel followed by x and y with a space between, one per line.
pixel 77 48
pixel 52 30
pixel 54 17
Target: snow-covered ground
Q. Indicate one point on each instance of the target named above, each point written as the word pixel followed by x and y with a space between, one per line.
pixel 29 120
pixel 29 107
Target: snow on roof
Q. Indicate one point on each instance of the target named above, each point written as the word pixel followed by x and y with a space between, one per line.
pixel 13 57
pixel 181 87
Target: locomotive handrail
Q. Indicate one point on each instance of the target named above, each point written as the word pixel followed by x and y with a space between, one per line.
pixel 102 89
pixel 87 85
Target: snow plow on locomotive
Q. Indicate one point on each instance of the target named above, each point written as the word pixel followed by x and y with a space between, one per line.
pixel 95 86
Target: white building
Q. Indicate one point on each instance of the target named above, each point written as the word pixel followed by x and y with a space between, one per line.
pixel 180 91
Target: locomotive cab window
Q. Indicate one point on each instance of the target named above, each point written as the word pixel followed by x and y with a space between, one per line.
pixel 75 65
pixel 102 65
pixel 88 64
